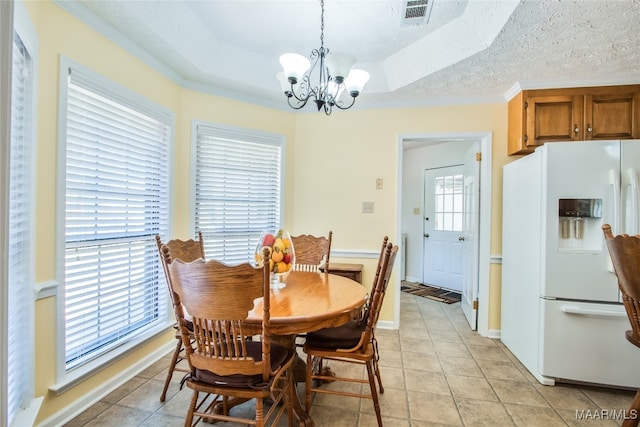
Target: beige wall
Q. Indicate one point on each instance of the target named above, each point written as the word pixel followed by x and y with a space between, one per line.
pixel 338 158
pixel 61 34
pixel 331 167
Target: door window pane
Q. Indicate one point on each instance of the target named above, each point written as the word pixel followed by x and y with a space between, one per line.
pixel 449 204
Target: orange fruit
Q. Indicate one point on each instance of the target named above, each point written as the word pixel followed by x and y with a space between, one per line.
pixel 277 255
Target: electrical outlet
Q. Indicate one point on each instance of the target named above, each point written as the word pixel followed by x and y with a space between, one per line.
pixel 379 184
pixel 367 207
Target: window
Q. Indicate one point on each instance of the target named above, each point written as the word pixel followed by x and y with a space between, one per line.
pixel 238 182
pixel 116 172
pixel 21 224
pixel 449 197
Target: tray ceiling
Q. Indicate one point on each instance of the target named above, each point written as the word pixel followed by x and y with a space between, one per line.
pixel 466 51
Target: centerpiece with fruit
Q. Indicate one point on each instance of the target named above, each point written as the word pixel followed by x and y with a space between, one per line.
pixel 282 254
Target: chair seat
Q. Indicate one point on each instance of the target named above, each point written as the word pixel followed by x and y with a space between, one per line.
pixel 345 336
pixel 279 355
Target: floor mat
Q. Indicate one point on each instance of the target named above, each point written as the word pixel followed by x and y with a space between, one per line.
pixel 432 292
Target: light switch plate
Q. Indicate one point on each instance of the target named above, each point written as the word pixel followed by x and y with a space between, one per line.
pixel 379 184
pixel 367 207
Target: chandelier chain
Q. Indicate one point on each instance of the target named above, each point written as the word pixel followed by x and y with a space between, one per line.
pixel 322 24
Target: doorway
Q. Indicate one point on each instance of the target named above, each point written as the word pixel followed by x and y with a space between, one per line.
pixel 442 227
pixel 416 153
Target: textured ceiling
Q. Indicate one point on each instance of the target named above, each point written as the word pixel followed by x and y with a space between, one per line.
pixel 468 51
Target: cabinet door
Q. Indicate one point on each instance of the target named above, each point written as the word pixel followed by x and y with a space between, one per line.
pixel 554 118
pixel 614 116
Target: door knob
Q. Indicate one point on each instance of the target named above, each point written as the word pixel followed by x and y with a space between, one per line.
pixel 461 239
pixel 426 235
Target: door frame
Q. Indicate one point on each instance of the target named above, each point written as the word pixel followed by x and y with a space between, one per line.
pixel 484 229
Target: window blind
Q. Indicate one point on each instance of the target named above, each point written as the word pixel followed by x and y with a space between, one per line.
pixel 237 190
pixel 117 184
pixel 20 301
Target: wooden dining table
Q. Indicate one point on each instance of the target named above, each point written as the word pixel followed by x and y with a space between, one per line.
pixel 308 302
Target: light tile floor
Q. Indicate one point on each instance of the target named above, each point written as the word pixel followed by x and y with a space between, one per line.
pixel 435 371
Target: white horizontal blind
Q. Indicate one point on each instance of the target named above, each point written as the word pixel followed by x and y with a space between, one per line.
pixel 238 188
pixel 20 237
pixel 117 183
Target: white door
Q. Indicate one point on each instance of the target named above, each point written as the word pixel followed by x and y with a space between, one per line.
pixel 471 245
pixel 443 227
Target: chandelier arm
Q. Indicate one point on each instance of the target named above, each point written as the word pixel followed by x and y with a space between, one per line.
pixel 337 104
pixel 300 105
pixel 311 91
pixel 300 97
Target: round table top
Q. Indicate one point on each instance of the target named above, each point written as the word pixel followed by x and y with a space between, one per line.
pixel 311 301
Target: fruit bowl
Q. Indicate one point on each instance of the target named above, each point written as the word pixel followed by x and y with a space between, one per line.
pixel 282 254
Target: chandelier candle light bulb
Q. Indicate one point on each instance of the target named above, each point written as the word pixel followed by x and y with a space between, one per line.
pixel 334 73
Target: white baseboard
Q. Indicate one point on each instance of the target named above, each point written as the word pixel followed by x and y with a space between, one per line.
pixel 493 333
pixel 386 324
pixel 71 411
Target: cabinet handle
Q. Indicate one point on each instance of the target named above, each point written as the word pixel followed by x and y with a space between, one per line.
pixel 576 128
pixel 589 128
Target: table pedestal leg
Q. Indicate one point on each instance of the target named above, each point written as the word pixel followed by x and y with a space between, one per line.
pixel 299 375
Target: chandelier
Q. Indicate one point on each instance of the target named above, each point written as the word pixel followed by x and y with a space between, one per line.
pixel 333 73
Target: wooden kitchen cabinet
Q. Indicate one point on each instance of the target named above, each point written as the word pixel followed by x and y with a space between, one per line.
pixel 574 114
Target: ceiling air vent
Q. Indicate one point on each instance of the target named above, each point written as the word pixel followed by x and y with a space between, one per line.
pixel 417 11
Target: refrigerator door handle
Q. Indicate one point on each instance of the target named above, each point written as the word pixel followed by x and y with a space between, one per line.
pixel 614 181
pixel 633 221
pixel 573 309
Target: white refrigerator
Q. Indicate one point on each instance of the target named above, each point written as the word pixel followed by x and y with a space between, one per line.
pixel 562 315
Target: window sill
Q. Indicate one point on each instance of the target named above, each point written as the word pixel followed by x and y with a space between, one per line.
pixel 46 289
pixel 76 376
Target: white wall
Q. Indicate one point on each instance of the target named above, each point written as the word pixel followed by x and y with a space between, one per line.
pixel 415 162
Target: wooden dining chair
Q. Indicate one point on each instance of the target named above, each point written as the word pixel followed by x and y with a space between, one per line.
pixel 625 256
pixel 312 252
pixel 353 342
pixel 360 315
pixel 224 361
pixel 185 250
